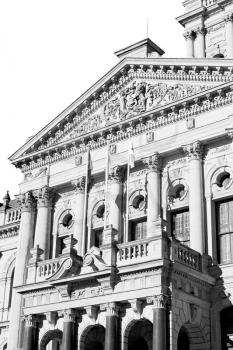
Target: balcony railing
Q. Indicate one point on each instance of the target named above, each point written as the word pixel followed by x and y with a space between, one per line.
pixel 139 251
pixel 185 255
pixel 47 268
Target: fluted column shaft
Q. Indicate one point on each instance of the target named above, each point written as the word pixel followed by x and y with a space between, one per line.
pixel 229 35
pixel 30 333
pixel 153 193
pixel 111 333
pixel 196 205
pixel 43 222
pixel 159 322
pixel 25 243
pixel 68 330
pixel 114 197
pixel 79 186
pixel 189 44
pixel 199 50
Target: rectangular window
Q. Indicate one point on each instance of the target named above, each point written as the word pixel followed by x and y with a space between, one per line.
pixel 138 230
pixel 224 215
pixel 180 226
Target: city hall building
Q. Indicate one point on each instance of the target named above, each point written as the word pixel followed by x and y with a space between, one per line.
pixel 121 237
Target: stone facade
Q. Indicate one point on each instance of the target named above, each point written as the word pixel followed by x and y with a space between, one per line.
pixel 121 236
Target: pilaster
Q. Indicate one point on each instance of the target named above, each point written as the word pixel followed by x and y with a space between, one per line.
pixel 189 43
pixel 116 177
pixel 199 45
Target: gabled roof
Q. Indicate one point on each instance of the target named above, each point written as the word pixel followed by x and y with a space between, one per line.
pixel 215 71
pixel 143 48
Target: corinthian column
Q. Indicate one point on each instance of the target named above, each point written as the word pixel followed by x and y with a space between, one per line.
pixel 159 322
pixel 68 330
pixel 30 333
pixel 199 50
pixel 114 197
pixel 197 239
pixel 79 186
pixel 25 243
pixel 153 195
pixel 44 198
pixel 111 334
pixel 189 44
pixel 229 35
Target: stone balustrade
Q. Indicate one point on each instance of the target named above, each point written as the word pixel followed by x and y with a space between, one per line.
pixel 139 251
pixel 47 268
pixel 185 255
pixel 13 215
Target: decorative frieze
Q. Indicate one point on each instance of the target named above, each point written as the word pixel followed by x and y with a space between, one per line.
pixel 159 120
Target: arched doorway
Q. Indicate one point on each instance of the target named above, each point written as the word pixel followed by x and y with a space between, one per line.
pixel 183 342
pixel 138 335
pixel 227 328
pixel 52 340
pixel 93 338
pixel 190 337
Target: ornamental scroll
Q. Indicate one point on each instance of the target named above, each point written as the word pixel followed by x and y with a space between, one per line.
pixel 137 98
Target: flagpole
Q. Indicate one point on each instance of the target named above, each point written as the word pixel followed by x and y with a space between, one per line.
pixel 127 205
pixel 106 186
pixel 85 203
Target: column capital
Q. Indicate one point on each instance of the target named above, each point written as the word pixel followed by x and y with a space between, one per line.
pixel 193 150
pixel 188 35
pixel 153 162
pixel 26 201
pixel 79 184
pixel 228 17
pixel 68 315
pixel 116 174
pixel 200 30
pixel 230 132
pixel 30 320
pixel 44 196
pixel 158 301
pixel 112 309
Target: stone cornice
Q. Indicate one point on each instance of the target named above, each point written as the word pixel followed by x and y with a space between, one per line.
pixel 121 74
pixel 146 121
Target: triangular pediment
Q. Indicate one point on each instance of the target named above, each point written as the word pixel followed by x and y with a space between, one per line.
pixel 133 88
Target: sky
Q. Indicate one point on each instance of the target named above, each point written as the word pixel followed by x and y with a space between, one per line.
pixel 51 51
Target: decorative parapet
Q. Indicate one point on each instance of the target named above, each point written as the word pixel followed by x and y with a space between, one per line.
pixel 185 255
pixel 13 215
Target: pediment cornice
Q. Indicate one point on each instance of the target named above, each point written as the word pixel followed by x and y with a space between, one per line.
pixel 200 72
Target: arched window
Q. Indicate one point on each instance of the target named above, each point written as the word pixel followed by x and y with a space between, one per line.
pixel 11 288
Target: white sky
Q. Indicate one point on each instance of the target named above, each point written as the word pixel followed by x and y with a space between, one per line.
pixel 51 51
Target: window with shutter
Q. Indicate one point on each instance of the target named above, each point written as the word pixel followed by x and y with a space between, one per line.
pixel 224 211
pixel 180 226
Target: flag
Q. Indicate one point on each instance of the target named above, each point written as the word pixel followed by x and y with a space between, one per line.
pixel 131 158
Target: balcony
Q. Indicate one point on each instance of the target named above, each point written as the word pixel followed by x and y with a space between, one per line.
pixel 185 255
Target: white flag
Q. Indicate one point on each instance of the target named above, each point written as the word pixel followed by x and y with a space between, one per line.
pixel 131 158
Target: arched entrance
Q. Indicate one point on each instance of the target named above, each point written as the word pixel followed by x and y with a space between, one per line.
pixel 138 335
pixel 183 342
pixel 190 337
pixel 52 340
pixel 227 328
pixel 93 338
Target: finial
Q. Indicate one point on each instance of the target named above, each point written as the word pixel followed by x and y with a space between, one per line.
pixel 6 198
